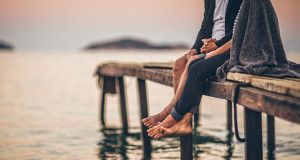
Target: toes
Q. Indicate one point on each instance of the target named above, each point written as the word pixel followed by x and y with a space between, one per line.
pixel 165 131
pixel 150 134
pixel 146 124
pixel 150 125
pixel 159 135
pixel 153 135
pixel 145 119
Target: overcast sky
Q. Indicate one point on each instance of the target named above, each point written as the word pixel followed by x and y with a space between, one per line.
pixel 72 24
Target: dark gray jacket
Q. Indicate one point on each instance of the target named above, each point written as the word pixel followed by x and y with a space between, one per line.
pixel 208 24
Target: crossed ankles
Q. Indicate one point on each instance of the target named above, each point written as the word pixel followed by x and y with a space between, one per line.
pixel 170 127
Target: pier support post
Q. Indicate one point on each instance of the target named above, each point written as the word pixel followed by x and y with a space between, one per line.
pixel 186 147
pixel 122 97
pixel 271 136
pixel 197 115
pixel 229 115
pixel 143 114
pixel 108 86
pixel 253 135
pixel 102 106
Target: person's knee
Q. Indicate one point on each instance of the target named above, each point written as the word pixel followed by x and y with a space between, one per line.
pixel 197 71
pixel 179 64
pixel 190 63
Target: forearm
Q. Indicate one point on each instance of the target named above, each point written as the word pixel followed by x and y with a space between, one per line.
pixel 225 48
pixel 224 40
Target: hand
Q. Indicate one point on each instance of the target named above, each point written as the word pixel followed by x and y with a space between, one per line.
pixel 191 59
pixel 212 53
pixel 206 41
pixel 191 53
pixel 209 45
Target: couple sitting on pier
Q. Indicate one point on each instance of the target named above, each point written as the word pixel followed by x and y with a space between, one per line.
pixel 237 36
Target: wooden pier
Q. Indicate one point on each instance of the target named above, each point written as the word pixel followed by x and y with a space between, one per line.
pixel 274 97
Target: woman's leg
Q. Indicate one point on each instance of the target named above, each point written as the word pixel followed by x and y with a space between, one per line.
pixel 191 94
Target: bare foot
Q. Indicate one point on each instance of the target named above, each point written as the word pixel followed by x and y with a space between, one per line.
pixel 181 128
pixel 155 131
pixel 154 120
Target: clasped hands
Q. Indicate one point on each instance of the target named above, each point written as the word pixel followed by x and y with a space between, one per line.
pixel 208 46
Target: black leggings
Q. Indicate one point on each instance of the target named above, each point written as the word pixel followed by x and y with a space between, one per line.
pixel 199 71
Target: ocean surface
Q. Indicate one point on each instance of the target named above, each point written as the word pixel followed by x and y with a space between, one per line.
pixel 49 110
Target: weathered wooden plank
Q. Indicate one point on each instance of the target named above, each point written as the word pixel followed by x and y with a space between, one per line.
pixel 168 65
pixel 282 86
pixel 223 90
pixel 293 79
pixel 156 75
pixel 253 135
pixel 282 106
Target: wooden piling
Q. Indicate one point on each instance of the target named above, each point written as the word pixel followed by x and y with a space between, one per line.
pixel 102 106
pixel 186 147
pixel 271 136
pixel 143 114
pixel 275 97
pixel 229 115
pixel 253 135
pixel 108 86
pixel 122 97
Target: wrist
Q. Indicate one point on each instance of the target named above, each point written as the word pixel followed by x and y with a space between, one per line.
pixel 194 51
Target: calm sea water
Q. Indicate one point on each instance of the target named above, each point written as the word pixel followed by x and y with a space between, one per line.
pixel 49 110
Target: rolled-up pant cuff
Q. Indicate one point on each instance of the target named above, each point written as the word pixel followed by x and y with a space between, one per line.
pixel 195 109
pixel 175 114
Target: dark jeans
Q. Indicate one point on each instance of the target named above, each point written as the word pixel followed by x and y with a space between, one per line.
pixel 199 71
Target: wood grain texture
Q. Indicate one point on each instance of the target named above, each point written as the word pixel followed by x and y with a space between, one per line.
pixel 290 86
pixel 270 97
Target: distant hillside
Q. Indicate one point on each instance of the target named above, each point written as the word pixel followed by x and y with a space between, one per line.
pixel 5 46
pixel 129 43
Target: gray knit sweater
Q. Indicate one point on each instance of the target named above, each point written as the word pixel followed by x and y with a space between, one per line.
pixel 256 44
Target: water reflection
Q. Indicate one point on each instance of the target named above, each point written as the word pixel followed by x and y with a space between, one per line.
pixel 116 145
pixel 229 144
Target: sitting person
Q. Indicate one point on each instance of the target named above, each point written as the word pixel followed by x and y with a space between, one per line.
pixel 202 68
pixel 216 30
pixel 256 48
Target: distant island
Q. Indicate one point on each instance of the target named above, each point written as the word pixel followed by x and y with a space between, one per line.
pixel 131 43
pixel 5 46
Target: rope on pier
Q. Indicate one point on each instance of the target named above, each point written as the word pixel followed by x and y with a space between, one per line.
pixel 235 99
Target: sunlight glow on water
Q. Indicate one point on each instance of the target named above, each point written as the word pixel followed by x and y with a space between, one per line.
pixel 49 110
